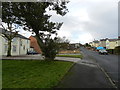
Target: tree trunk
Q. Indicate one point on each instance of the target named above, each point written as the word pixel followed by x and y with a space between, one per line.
pixel 9 48
pixel 49 58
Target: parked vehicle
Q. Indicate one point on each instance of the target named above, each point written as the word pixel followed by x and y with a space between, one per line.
pixel 103 52
pixel 32 52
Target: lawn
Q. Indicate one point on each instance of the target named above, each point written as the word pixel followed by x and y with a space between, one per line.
pixel 33 74
pixel 73 56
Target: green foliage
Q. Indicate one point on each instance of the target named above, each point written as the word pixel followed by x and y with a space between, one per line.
pixel 111 51
pixel 114 51
pixel 87 45
pixel 50 48
pixel 32 16
pixel 9 31
pixel 63 43
pixel 32 73
pixel 117 50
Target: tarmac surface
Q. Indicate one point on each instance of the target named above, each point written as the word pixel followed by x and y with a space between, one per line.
pixel 85 75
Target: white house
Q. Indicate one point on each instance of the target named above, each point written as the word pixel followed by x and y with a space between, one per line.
pixel 20 45
pixel 112 43
pixel 103 42
pixel 95 43
pixel 106 43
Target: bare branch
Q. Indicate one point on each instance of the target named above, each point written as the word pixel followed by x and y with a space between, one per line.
pixel 2 26
pixel 16 27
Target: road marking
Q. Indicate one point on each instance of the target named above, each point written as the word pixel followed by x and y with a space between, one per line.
pixel 111 81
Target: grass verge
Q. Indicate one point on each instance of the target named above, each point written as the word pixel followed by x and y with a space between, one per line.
pixel 73 56
pixel 33 74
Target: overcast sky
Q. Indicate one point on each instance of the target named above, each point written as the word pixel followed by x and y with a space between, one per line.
pixel 88 20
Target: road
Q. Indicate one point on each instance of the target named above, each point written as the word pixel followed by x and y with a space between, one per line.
pixel 108 62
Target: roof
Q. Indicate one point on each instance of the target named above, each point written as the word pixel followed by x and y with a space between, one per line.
pixel 112 39
pixel 118 36
pixel 18 35
pixel 21 36
pixel 96 41
pixel 103 39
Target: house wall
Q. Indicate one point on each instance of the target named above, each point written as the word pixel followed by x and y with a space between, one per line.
pixel 4 46
pixel 112 44
pixel 95 44
pixel 103 43
pixel 34 44
pixel 24 46
pixel 107 44
pixel 0 45
pixel 91 44
pixel 118 42
pixel 16 47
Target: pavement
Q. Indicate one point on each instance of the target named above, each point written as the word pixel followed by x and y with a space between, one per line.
pixel 24 57
pixel 83 74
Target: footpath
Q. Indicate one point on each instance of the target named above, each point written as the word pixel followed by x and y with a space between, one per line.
pixel 84 74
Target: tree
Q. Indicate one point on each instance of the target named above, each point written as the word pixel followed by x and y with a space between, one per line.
pixel 87 45
pixel 32 16
pixel 63 43
pixel 9 32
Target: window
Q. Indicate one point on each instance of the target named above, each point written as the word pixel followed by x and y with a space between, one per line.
pixel 24 47
pixel 14 48
pixel 5 48
pixel 14 40
pixel 27 41
pixel 20 42
pixel 5 40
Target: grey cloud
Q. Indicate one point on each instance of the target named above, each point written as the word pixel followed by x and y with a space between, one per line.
pixel 103 19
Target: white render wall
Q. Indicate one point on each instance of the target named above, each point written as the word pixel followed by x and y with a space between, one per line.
pixel 24 46
pixel 112 44
pixel 0 46
pixel 19 49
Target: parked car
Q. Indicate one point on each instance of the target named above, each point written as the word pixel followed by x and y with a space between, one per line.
pixel 103 52
pixel 32 52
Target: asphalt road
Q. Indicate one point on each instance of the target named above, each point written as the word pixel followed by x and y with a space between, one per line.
pixel 108 62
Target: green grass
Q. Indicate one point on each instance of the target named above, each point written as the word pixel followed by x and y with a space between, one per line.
pixel 33 74
pixel 73 56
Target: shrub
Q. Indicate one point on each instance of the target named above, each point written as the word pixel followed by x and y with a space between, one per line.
pixel 111 51
pixel 117 50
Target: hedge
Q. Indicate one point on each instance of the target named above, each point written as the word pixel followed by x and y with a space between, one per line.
pixel 114 51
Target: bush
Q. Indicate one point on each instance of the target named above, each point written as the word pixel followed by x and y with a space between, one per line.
pixel 117 50
pixel 51 49
pixel 114 51
pixel 111 51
